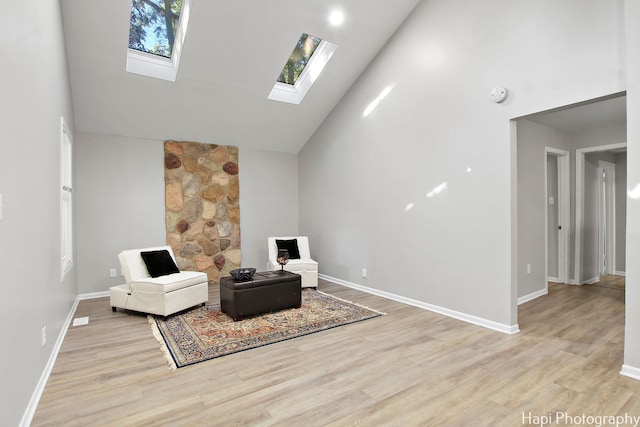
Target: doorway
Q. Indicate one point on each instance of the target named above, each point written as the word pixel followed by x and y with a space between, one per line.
pixel 593 216
pixel 557 216
pixel 566 129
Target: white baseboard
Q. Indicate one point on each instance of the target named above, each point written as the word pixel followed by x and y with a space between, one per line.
pixel 591 281
pixel 619 273
pixel 553 280
pixel 500 327
pixel 93 295
pixel 27 417
pixel 630 371
pixel 532 296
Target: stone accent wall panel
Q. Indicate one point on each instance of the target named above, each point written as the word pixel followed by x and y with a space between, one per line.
pixel 202 210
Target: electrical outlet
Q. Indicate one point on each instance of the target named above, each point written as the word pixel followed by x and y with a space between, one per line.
pixel 364 272
pixel 44 335
pixel 528 268
pixel 113 273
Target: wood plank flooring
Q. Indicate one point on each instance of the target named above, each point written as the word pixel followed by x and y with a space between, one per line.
pixel 408 368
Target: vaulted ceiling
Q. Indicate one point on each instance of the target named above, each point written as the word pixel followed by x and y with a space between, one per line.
pixel 233 53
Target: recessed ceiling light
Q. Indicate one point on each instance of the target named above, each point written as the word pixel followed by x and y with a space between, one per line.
pixel 336 17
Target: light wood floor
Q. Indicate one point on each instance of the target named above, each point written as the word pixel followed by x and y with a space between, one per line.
pixel 410 367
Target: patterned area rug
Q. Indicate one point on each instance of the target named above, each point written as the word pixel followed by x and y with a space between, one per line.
pixel 205 333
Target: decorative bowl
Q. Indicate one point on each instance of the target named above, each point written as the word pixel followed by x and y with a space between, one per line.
pixel 242 274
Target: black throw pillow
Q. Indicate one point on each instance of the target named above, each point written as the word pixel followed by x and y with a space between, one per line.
pixel 159 263
pixel 291 246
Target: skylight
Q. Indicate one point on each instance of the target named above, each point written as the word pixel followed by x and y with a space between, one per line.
pixel 308 59
pixel 299 59
pixel 156 36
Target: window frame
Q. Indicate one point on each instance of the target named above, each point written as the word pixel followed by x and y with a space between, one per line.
pixel 159 67
pixel 294 94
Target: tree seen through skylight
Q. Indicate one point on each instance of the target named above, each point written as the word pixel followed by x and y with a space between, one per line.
pixel 299 58
pixel 153 25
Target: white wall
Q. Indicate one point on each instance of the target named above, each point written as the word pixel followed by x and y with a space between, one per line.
pixel 120 203
pixel 452 250
pixel 621 211
pixel 268 201
pixel 632 295
pixel 35 94
pixel 532 140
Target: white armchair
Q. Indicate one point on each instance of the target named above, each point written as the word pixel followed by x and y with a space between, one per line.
pixel 304 266
pixel 162 295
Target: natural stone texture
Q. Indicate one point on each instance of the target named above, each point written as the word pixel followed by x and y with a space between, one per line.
pixel 235 237
pixel 171 219
pixel 194 231
pixel 211 232
pixel 204 174
pixel 173 196
pixel 172 175
pixel 231 168
pixel 190 164
pixel 213 274
pixel 233 189
pixel 226 270
pixel 182 226
pixel 184 263
pixel 233 213
pixel 214 193
pixel 194 149
pixel 208 209
pixel 234 255
pixel 220 178
pixel 219 260
pixel 224 229
pixel 221 211
pixel 173 147
pixel 171 161
pixel 176 245
pixel 190 185
pixel 189 249
pixel 201 196
pixel 192 209
pixel 219 154
pixel 202 262
pixel 209 248
pixel 174 240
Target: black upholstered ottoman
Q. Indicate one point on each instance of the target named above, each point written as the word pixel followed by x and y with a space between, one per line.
pixel 267 291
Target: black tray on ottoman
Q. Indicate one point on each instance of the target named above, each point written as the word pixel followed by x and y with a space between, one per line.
pixel 266 291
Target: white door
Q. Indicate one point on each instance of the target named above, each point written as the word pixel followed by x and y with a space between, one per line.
pixel 606 218
pixel 557 201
